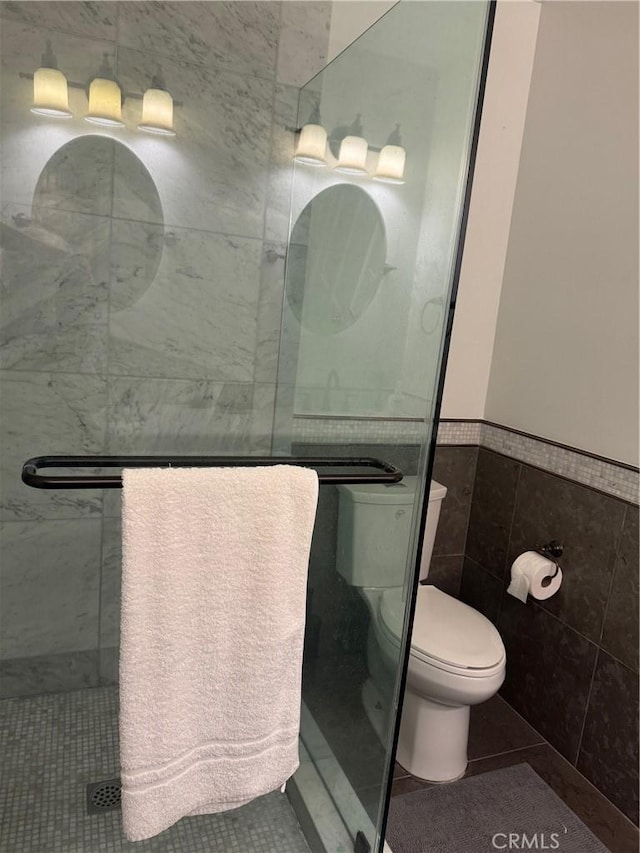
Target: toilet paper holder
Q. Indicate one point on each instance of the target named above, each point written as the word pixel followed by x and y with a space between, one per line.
pixel 552 550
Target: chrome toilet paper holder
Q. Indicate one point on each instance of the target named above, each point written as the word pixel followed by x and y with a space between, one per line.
pixel 553 550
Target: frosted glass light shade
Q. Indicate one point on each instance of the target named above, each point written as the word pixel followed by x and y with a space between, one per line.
pixel 50 93
pixel 390 168
pixel 353 156
pixel 105 103
pixel 312 145
pixel 157 112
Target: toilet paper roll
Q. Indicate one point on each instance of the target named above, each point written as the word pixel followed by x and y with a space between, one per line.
pixel 529 571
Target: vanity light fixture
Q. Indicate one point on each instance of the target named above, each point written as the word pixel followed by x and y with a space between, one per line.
pixel 352 159
pixel 50 90
pixel 157 109
pixel 312 142
pixel 105 98
pixel 391 160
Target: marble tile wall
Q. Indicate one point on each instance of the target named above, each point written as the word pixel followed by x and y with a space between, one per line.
pixel 572 660
pixel 142 287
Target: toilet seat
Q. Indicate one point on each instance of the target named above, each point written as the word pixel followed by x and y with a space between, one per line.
pixel 447 634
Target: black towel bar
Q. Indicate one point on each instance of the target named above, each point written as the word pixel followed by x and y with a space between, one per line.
pixel 379 471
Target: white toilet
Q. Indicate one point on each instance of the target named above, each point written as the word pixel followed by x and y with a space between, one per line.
pixel 457 657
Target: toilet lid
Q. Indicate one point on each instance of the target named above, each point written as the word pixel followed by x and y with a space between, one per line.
pixel 445 629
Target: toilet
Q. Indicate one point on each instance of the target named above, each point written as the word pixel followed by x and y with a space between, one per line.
pixel 457 656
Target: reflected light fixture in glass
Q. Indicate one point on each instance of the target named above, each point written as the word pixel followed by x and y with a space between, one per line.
pixel 352 159
pixel 312 142
pixel 312 146
pixel 391 160
pixel 50 90
pixel 105 98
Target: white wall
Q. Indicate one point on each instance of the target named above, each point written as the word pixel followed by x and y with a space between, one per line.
pixel 565 361
pixel 350 18
pixel 498 156
pixel 568 261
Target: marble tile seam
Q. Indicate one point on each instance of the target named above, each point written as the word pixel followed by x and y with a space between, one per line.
pixel 259 238
pixel 146 376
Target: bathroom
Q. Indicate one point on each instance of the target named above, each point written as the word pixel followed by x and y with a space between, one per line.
pixel 174 294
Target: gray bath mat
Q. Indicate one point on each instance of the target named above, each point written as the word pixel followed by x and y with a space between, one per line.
pixel 485 814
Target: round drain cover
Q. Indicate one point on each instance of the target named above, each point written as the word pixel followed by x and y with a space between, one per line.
pixel 105 795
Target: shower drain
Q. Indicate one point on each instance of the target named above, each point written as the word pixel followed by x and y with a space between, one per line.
pixel 103 796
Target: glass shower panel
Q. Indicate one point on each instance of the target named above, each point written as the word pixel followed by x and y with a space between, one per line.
pixel 143 281
pixel 369 274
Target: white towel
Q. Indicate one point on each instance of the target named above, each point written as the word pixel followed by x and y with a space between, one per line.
pixel 213 609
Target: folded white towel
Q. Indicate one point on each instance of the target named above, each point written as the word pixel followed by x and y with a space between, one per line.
pixel 213 608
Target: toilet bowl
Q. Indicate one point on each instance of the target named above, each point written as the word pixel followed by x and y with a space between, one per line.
pixel 457 657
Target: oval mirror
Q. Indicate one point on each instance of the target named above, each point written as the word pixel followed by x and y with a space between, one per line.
pixel 100 176
pixel 336 259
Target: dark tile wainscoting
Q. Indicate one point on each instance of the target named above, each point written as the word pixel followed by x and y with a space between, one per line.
pixel 455 468
pixel 572 661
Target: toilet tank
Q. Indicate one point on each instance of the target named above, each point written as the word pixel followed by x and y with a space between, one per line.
pixel 374 526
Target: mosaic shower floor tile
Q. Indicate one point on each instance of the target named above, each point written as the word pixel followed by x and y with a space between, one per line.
pixel 53 746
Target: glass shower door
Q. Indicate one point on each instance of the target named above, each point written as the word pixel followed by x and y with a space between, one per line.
pixel 141 315
pixel 375 229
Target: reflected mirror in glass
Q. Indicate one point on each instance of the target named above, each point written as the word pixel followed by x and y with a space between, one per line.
pixel 336 259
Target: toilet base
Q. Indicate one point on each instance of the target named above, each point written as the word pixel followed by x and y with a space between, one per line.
pixel 433 739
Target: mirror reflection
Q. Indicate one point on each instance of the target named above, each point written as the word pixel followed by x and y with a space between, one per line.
pixel 336 259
